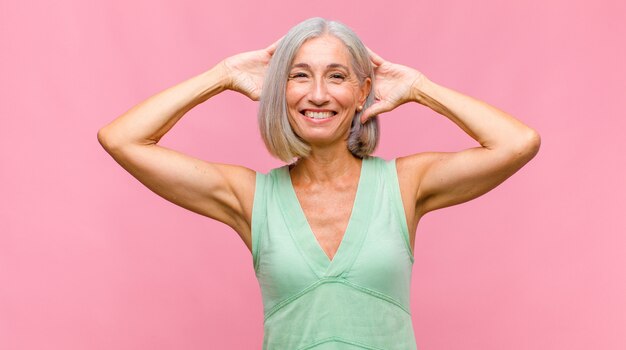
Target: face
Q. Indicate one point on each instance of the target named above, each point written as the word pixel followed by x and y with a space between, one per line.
pixel 323 92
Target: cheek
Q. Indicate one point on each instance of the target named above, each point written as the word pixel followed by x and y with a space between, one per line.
pixel 345 96
pixel 294 93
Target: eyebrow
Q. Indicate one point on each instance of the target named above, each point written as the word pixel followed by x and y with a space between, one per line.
pixel 332 65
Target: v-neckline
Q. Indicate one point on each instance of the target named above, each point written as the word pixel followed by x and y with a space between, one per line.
pixel 304 236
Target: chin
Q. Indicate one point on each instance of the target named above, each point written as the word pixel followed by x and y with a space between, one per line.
pixel 323 140
pixel 318 135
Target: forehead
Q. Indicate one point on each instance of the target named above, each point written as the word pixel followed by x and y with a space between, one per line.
pixel 323 51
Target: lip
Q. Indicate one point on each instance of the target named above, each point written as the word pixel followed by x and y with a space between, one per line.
pixel 317 110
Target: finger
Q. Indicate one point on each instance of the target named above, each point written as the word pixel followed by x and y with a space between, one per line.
pixel 377 60
pixel 375 109
pixel 255 95
pixel 272 48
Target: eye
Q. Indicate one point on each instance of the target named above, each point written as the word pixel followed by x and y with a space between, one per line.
pixel 338 77
pixel 298 75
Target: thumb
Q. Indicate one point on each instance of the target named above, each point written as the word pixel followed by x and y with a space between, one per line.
pixel 375 109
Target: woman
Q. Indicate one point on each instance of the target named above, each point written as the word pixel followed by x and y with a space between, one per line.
pixel 331 232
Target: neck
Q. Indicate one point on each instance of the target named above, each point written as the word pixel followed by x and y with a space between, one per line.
pixel 326 164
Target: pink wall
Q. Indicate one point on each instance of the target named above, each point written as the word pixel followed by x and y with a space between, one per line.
pixel 90 259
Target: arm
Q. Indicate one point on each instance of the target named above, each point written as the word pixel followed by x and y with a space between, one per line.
pixel 437 180
pixel 219 191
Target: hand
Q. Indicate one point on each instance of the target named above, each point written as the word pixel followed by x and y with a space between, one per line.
pixel 245 71
pixel 394 85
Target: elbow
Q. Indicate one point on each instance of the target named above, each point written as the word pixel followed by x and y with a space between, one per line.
pixel 117 143
pixel 527 145
pixel 533 142
pixel 109 141
pixel 104 138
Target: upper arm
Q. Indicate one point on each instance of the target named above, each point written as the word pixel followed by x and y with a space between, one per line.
pixel 219 191
pixel 437 180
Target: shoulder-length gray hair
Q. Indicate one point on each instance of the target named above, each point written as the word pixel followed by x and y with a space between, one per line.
pixel 280 139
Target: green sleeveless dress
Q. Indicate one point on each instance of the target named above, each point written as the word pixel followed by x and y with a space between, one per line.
pixel 358 300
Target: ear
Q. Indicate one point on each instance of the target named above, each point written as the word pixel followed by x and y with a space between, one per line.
pixel 366 87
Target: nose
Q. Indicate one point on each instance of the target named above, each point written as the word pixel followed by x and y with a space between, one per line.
pixel 319 93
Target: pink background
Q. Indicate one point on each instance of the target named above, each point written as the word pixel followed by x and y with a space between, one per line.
pixel 90 259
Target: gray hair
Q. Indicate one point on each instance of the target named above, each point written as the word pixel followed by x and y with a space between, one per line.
pixel 280 139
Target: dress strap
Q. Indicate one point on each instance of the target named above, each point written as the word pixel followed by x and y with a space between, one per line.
pixel 391 177
pixel 259 209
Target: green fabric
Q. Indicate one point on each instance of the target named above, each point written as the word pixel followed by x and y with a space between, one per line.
pixel 358 300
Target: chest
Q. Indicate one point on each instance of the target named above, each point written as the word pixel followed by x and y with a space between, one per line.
pixel 328 212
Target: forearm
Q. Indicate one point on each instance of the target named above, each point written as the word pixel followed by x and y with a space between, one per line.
pixel 491 127
pixel 149 120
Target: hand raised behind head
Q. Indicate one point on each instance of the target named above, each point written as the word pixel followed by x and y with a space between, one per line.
pixel 394 85
pixel 246 71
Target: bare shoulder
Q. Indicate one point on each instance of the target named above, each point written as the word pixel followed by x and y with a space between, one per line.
pixel 411 168
pixel 241 182
pixel 226 194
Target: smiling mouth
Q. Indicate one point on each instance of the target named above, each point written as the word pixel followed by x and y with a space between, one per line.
pixel 318 115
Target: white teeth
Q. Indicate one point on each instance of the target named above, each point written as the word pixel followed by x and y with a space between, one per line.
pixel 318 115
